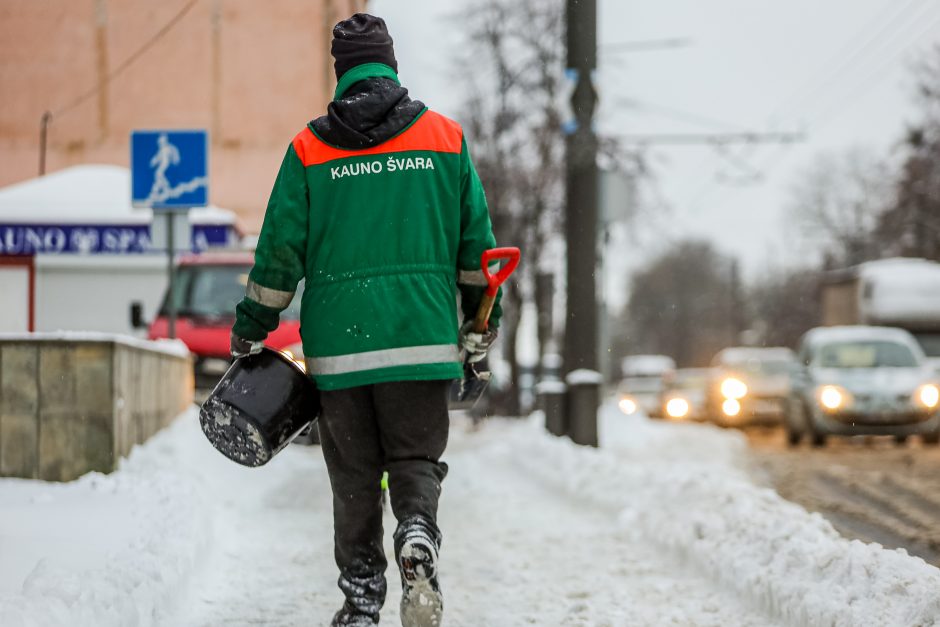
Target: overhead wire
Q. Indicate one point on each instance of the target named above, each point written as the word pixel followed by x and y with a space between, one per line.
pixel 677 114
pixel 117 71
pixel 869 81
pixel 901 21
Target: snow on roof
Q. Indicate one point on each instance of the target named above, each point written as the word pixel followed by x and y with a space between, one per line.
pixel 97 194
pixel 899 268
pixel 739 354
pixel 646 364
pixel 901 291
pixel 858 333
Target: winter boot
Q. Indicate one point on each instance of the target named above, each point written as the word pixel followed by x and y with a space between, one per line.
pixel 365 596
pixel 416 544
pixel 349 616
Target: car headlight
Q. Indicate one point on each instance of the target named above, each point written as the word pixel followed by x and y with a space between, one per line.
pixel 731 407
pixel 928 396
pixel 833 397
pixel 677 408
pixel 627 405
pixel 734 389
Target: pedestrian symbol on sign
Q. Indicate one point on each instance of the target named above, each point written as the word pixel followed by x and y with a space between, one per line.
pixel 169 169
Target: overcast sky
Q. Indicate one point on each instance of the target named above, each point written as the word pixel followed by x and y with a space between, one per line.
pixel 837 70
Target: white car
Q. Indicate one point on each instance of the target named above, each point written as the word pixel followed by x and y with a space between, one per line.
pixel 860 380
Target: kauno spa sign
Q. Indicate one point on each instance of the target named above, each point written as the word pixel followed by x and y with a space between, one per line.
pixel 97 239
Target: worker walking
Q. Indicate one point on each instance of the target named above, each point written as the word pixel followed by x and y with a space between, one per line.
pixel 378 209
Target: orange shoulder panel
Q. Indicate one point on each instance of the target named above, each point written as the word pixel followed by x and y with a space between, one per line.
pixel 432 132
pixel 305 143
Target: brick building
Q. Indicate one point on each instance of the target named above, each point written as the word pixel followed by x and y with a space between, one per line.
pixel 251 72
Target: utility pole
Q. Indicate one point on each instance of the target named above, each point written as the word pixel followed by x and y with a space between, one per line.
pixel 580 346
pixel 44 122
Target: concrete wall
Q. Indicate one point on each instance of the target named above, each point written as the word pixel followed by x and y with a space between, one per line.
pixel 71 406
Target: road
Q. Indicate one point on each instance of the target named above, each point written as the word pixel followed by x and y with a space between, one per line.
pixel 870 489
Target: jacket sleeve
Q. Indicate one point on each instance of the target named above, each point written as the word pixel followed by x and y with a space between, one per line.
pixel 476 236
pixel 280 255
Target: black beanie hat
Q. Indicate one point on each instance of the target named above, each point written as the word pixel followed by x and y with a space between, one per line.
pixel 363 38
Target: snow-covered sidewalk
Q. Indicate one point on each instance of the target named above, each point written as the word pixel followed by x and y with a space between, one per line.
pixel 661 526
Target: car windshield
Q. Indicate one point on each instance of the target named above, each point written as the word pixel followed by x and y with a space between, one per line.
pixel 865 354
pixel 642 384
pixel 214 291
pixel 691 381
pixel 757 366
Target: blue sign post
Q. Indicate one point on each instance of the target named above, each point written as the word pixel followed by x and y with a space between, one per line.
pixel 170 169
pixel 170 173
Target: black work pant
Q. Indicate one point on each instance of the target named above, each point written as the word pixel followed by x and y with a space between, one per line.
pixel 399 427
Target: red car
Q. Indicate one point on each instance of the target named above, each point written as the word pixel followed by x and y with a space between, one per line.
pixel 208 286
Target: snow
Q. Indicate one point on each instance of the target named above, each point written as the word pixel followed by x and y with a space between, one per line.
pixel 646 365
pixel 583 376
pixel 550 386
pixel 901 291
pixel 175 348
pixel 683 488
pixel 661 525
pixel 98 194
pixel 744 354
pixel 103 550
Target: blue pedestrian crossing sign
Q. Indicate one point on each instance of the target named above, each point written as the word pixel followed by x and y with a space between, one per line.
pixel 169 169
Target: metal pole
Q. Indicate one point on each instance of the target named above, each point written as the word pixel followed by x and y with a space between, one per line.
pixel 171 275
pixel 580 347
pixel 43 136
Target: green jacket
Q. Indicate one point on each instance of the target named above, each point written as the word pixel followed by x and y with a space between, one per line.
pixel 382 238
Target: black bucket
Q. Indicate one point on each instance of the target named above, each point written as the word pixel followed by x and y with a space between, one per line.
pixel 258 407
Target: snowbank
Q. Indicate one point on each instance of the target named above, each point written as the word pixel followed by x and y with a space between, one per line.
pixel 683 487
pixel 105 550
pixel 162 541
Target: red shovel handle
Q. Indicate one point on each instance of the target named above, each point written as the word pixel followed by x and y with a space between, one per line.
pixel 511 255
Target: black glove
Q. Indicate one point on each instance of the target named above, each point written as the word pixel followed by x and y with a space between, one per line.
pixel 476 344
pixel 240 347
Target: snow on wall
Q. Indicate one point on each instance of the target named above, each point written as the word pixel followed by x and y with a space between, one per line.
pixel 683 488
pixel 176 348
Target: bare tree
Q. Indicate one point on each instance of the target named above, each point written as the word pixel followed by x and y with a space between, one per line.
pixel 911 226
pixel 838 201
pixel 683 304
pixel 512 116
pixel 785 305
